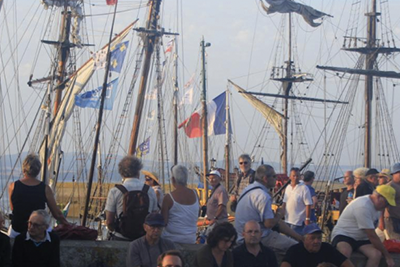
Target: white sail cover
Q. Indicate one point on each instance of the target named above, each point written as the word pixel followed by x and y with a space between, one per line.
pixel 77 82
pixel 285 6
pixel 273 117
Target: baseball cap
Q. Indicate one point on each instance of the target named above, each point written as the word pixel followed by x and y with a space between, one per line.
pixel 154 219
pixel 371 171
pixel 214 172
pixel 311 228
pixel 388 193
pixel 396 168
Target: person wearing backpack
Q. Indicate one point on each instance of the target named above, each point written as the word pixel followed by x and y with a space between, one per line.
pixel 129 203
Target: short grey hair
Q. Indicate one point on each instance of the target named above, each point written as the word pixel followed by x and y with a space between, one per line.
pixel 45 215
pixel 130 166
pixel 262 171
pixel 245 156
pixel 180 174
pixel 31 165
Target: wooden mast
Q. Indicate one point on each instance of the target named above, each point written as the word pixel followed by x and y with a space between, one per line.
pixel 150 36
pixel 204 119
pixel 369 65
pixel 64 49
pixel 175 105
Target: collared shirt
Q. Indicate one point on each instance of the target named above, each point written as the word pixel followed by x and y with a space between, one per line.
pixel 296 199
pixel 140 253
pixel 254 205
pixel 219 197
pixel 115 197
pixel 46 238
pixel 243 180
pixel 243 258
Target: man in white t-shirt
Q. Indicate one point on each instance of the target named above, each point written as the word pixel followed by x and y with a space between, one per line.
pixel 129 168
pixel 297 203
pixel 355 229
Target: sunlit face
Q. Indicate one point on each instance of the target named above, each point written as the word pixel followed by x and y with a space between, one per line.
pixel 171 261
pixel 295 176
pixel 36 226
pixel 149 181
pixel 348 178
pixel 225 243
pixel 313 242
pixel 153 232
pixel 244 164
pixel 357 181
pixel 373 178
pixel 396 177
pixel 382 179
pixel 214 180
pixel 252 233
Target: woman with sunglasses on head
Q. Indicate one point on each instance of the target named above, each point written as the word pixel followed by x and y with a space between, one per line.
pixel 152 180
pixel 217 253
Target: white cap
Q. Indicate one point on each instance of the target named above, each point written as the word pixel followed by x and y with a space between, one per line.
pixel 215 172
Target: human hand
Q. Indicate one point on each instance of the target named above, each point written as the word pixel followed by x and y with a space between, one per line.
pixel 389 261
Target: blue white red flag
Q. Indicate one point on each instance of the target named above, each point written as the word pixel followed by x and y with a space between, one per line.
pixel 216 117
pixel 91 99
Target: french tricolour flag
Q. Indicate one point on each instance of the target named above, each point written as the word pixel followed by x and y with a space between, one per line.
pixel 216 117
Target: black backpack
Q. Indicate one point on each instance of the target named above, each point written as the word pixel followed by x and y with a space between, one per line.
pixel 135 209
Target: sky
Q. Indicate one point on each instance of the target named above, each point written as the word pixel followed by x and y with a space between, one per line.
pixel 244 47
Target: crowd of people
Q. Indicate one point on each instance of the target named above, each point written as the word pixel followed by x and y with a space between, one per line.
pixel 155 225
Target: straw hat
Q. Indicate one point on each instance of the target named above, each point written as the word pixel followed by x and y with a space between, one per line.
pixel 151 175
pixel 386 172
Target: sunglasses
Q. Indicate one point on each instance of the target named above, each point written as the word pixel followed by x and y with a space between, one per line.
pixel 243 162
pixel 148 179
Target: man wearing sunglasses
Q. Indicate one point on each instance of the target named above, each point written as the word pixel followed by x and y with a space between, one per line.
pixel 243 178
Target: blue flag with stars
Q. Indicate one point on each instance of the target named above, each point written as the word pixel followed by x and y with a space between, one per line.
pixel 91 99
pixel 118 53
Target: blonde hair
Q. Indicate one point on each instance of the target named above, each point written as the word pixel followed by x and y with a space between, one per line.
pixel 360 172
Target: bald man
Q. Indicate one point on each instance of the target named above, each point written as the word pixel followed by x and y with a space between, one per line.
pixel 252 252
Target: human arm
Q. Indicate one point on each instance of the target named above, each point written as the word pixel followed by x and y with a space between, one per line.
pixel 270 223
pixel 166 206
pixel 220 209
pixel 10 192
pixel 347 263
pixel 285 229
pixel 110 220
pixel 308 214
pixel 133 255
pixel 51 203
pixel 381 225
pixel 376 242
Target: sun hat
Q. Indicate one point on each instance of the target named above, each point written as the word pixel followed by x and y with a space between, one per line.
pixel 388 193
pixel 214 172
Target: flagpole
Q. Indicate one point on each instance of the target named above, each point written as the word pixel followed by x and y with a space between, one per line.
pixel 99 120
pixel 204 122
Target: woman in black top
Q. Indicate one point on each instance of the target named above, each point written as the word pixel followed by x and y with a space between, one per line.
pixel 217 252
pixel 29 194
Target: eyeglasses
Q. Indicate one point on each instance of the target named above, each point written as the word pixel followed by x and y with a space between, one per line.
pixel 243 162
pixel 148 179
pixel 35 225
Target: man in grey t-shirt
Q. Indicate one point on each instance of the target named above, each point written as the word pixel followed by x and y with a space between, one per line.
pixel 145 250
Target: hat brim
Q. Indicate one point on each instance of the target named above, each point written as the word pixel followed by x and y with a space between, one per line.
pixel 151 175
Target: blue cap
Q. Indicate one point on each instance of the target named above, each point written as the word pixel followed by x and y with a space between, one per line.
pixel 311 228
pixel 154 219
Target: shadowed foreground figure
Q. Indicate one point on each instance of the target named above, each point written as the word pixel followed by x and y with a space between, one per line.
pixel 313 252
pixel 171 258
pixel 37 247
